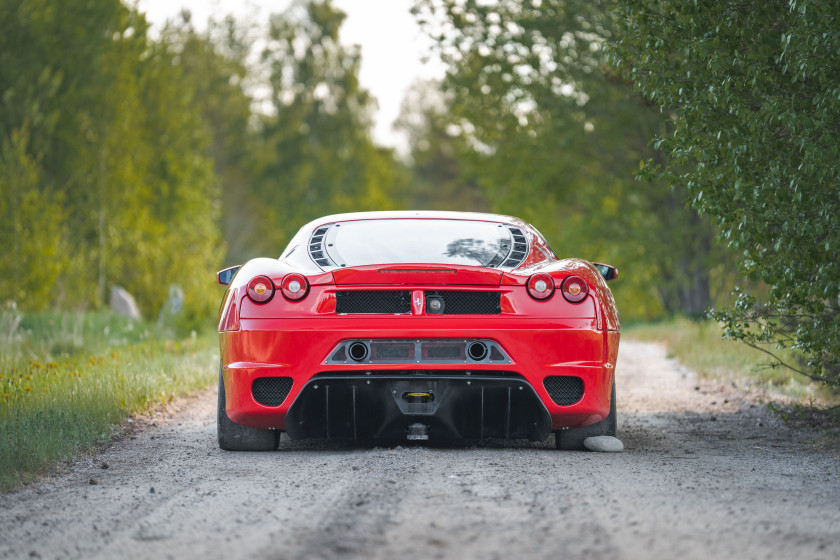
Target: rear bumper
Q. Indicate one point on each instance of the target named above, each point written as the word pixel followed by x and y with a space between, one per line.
pixel 298 349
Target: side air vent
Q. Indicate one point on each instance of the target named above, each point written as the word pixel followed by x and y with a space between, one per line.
pixel 316 248
pixel 271 391
pixel 519 250
pixel 564 389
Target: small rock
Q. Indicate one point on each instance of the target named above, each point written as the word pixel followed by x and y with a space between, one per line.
pixel 93 482
pixel 604 444
pixel 104 466
pixel 355 467
pixel 123 303
pixel 152 490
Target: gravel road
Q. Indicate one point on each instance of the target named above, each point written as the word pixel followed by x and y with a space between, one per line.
pixel 707 473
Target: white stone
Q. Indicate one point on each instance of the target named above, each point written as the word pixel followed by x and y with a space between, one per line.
pixel 123 303
pixel 604 444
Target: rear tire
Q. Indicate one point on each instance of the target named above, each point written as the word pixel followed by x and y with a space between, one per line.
pixel 235 437
pixel 571 439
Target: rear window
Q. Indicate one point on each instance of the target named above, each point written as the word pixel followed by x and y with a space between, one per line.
pixel 457 242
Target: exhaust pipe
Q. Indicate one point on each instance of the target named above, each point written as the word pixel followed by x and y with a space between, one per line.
pixel 358 351
pixel 477 351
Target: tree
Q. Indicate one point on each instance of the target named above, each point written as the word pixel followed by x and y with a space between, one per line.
pixel 97 119
pixel 290 134
pixel 319 156
pixel 555 136
pixel 752 89
pixel 440 180
pixel 215 63
pixel 30 227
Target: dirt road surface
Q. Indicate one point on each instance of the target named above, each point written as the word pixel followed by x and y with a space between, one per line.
pixel 706 473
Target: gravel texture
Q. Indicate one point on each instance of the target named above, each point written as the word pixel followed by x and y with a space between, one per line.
pixel 706 473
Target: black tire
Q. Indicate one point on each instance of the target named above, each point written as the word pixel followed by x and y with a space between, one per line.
pixel 235 437
pixel 571 439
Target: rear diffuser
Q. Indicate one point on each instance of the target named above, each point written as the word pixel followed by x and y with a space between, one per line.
pixel 389 407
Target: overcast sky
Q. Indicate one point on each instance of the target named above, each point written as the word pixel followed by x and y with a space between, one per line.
pixel 391 42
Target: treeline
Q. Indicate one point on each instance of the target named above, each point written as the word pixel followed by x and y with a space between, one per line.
pixel 104 168
pixel 693 146
pixel 144 160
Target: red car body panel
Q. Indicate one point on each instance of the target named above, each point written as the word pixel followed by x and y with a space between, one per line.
pixel 294 339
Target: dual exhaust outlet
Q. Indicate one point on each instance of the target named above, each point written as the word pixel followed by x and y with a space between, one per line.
pixel 476 351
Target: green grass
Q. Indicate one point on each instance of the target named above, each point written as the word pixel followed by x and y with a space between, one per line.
pixel 698 345
pixel 67 381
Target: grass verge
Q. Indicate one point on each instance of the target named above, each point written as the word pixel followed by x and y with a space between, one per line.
pixel 67 381
pixel 698 345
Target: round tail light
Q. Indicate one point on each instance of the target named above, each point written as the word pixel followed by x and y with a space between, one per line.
pixel 540 286
pixel 574 289
pixel 260 289
pixel 294 287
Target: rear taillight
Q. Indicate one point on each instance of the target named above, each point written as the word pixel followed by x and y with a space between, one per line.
pixel 260 289
pixel 574 289
pixel 540 286
pixel 229 319
pixel 294 287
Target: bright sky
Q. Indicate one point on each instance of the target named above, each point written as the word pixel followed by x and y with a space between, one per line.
pixel 391 42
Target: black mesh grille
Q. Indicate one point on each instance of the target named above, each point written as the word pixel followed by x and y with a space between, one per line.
pixel 271 391
pixel 564 390
pixel 373 301
pixel 467 303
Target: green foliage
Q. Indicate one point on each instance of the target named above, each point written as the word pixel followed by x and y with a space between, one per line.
pixel 753 92
pixel 548 132
pixel 439 178
pixel 307 150
pixel 30 227
pixel 215 63
pixel 323 159
pixel 103 160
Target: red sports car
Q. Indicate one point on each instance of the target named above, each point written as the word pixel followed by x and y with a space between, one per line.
pixel 417 326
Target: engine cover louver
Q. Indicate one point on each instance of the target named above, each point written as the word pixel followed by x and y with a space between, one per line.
pixel 519 250
pixel 316 248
